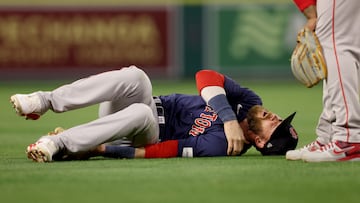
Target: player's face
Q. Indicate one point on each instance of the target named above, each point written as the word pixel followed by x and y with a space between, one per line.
pixel 262 123
pixel 268 123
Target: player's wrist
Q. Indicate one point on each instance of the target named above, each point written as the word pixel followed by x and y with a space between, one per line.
pixel 222 107
pixel 310 12
pixel 119 152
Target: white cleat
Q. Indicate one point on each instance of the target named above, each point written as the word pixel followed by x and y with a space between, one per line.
pixel 298 153
pixel 334 151
pixel 27 105
pixel 42 150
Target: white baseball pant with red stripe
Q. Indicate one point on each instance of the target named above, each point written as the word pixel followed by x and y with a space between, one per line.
pixel 338 29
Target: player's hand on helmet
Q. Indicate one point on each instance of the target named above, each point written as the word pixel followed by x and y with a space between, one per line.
pixel 235 137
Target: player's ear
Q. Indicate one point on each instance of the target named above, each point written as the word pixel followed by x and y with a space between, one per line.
pixel 259 142
pixel 255 139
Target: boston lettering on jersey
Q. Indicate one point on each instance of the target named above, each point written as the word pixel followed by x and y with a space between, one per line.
pixel 203 122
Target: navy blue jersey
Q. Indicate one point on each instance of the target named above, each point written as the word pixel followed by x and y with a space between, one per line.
pixel 195 125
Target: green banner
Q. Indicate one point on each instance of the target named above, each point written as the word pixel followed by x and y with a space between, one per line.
pixel 253 38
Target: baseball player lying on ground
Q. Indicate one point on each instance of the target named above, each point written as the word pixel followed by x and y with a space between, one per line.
pixel 225 119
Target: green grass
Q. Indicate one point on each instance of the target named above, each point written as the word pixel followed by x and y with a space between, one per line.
pixel 251 178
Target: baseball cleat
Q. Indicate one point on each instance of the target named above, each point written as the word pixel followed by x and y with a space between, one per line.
pixel 334 151
pixel 27 105
pixel 42 150
pixel 297 154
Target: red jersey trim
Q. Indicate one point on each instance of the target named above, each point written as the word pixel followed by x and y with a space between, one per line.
pixel 164 149
pixel 205 78
pixel 303 4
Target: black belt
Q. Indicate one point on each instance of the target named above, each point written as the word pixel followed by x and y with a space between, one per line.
pixel 160 110
pixel 161 115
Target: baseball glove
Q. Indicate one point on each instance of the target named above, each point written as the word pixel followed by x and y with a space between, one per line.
pixel 307 61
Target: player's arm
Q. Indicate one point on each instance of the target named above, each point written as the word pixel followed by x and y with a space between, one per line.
pixel 166 149
pixel 198 146
pixel 308 8
pixel 210 85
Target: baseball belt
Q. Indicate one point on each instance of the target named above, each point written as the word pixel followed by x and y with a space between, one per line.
pixel 161 115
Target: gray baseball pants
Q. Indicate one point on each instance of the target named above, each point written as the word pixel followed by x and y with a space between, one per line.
pixel 126 110
pixel 338 31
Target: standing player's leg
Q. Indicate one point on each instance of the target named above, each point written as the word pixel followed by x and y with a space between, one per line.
pixel 337 30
